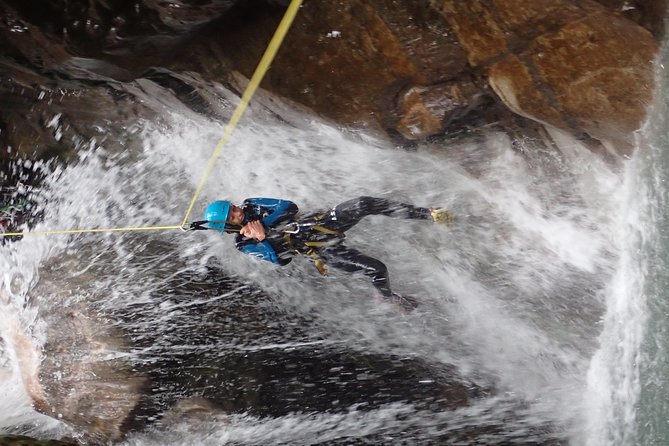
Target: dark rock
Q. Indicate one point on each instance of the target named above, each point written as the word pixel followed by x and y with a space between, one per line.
pixel 46 119
pixel 648 13
pixel 19 440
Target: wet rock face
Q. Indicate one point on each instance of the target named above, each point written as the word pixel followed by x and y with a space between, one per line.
pixel 351 60
pixel 427 111
pixel 91 27
pixel 85 378
pixel 411 68
pixel 86 385
pixel 43 119
pixel 199 349
pixel 65 66
pixel 406 68
pixel 577 67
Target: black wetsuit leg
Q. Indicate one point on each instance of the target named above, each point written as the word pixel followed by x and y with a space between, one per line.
pixel 351 260
pixel 347 214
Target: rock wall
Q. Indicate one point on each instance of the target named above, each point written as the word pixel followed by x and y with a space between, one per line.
pixel 412 68
pixel 409 69
pixel 573 65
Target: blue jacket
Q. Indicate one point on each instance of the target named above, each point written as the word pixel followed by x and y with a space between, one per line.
pixel 272 213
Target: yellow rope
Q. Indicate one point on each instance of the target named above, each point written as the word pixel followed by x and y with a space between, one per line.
pixel 257 77
pixel 82 231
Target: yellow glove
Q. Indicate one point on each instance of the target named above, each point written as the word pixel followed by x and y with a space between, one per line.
pixel 441 216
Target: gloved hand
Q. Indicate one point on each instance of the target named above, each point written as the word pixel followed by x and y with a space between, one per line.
pixel 441 216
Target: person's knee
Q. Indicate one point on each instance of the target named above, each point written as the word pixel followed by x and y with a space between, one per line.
pixel 357 205
pixel 367 204
pixel 377 270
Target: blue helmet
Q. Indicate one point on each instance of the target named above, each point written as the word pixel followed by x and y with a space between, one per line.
pixel 217 213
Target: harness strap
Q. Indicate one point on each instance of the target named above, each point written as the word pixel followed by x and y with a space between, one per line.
pixel 288 235
pixel 312 253
pixel 328 230
pixel 289 241
pixel 319 244
pixel 318 262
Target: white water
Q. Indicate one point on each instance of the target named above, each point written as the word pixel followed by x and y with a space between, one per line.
pixel 613 378
pixel 511 295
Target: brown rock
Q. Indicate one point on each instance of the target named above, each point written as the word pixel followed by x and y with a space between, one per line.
pixel 515 85
pixel 195 412
pixel 86 380
pixel 345 59
pixel 379 64
pixel 601 71
pixel 85 385
pixel 424 111
pixel 76 378
pixel 25 42
pixel 477 30
pixel 417 121
pixel 574 66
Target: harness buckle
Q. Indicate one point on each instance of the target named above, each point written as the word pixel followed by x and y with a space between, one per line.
pixel 195 226
pixel 294 224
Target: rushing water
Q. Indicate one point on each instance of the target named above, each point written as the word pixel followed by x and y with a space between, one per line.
pixel 545 299
pixel 653 360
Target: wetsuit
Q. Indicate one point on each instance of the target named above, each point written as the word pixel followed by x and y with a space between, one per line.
pixel 274 214
pixel 321 235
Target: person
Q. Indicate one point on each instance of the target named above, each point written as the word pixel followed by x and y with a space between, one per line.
pixel 15 207
pixel 271 230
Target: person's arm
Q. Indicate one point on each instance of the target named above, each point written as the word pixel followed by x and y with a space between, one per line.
pixel 277 209
pixel 270 212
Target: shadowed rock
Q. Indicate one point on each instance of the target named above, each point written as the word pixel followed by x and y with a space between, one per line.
pixel 86 381
pixel 18 440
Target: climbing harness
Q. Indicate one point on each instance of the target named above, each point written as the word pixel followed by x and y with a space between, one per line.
pixel 304 236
